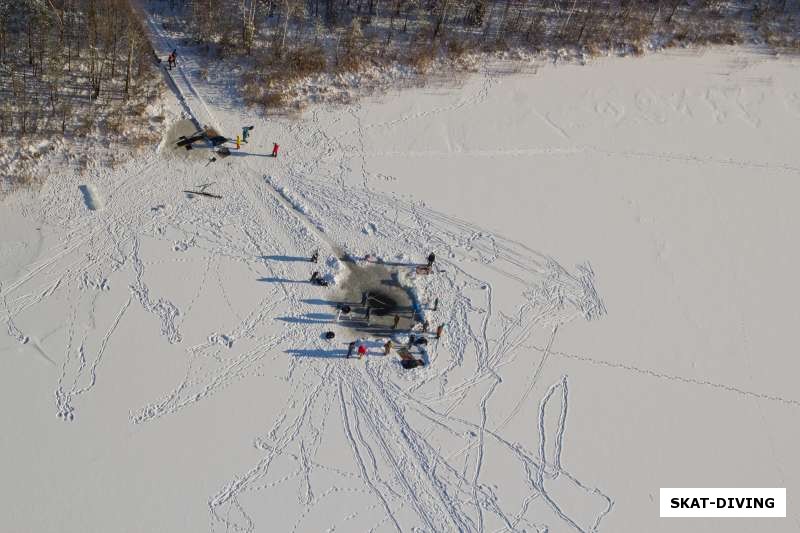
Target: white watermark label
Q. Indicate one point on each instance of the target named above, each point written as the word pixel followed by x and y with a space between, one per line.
pixel 732 503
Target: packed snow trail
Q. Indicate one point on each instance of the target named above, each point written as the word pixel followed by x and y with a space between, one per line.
pixel 176 77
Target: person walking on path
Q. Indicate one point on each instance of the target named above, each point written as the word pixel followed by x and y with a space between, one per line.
pixel 350 348
pixel 439 331
pixel 387 348
pixel 369 313
pixel 396 321
pixel 431 259
pixel 362 351
pixel 436 304
pixel 275 147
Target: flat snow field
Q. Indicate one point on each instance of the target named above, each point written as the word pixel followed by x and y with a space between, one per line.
pixel 616 270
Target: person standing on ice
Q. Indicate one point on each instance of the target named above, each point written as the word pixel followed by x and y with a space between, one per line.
pixel 387 348
pixel 246 133
pixel 350 348
pixel 396 321
pixel 439 331
pixel 362 351
pixel 238 143
pixel 431 259
pixel 275 147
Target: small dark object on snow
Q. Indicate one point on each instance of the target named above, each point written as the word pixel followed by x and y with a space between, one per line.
pixel 223 151
pixel 316 279
pixel 425 326
pixel 203 193
pixel 187 141
pixel 329 335
pixel 315 256
pixel 409 364
pixel 346 309
pixel 422 341
pixel 431 259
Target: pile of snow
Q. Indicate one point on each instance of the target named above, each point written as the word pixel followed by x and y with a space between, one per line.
pixel 333 271
pixel 91 197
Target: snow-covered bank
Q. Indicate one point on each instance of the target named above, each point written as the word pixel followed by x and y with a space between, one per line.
pixel 615 271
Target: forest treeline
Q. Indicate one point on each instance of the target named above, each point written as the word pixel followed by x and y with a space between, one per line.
pixel 288 39
pixel 73 67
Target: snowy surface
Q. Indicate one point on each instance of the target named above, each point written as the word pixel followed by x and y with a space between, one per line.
pixel 616 270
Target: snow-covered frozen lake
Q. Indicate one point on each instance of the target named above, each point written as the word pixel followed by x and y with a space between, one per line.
pixel 616 272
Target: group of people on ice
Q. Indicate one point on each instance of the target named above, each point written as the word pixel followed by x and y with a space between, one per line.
pixel 245 135
pixel 418 333
pixel 172 61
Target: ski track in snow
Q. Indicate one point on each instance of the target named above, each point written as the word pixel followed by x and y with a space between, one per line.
pixel 404 476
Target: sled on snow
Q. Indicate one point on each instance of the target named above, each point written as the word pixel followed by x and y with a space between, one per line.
pixel 202 191
pixel 407 360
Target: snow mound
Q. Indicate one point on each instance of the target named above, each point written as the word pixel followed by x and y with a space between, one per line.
pixel 91 198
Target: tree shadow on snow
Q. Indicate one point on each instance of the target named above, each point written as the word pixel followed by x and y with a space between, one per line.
pixel 325 354
pixel 282 280
pixel 287 258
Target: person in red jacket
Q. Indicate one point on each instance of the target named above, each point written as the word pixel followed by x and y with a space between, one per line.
pixel 362 351
pixel 275 149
